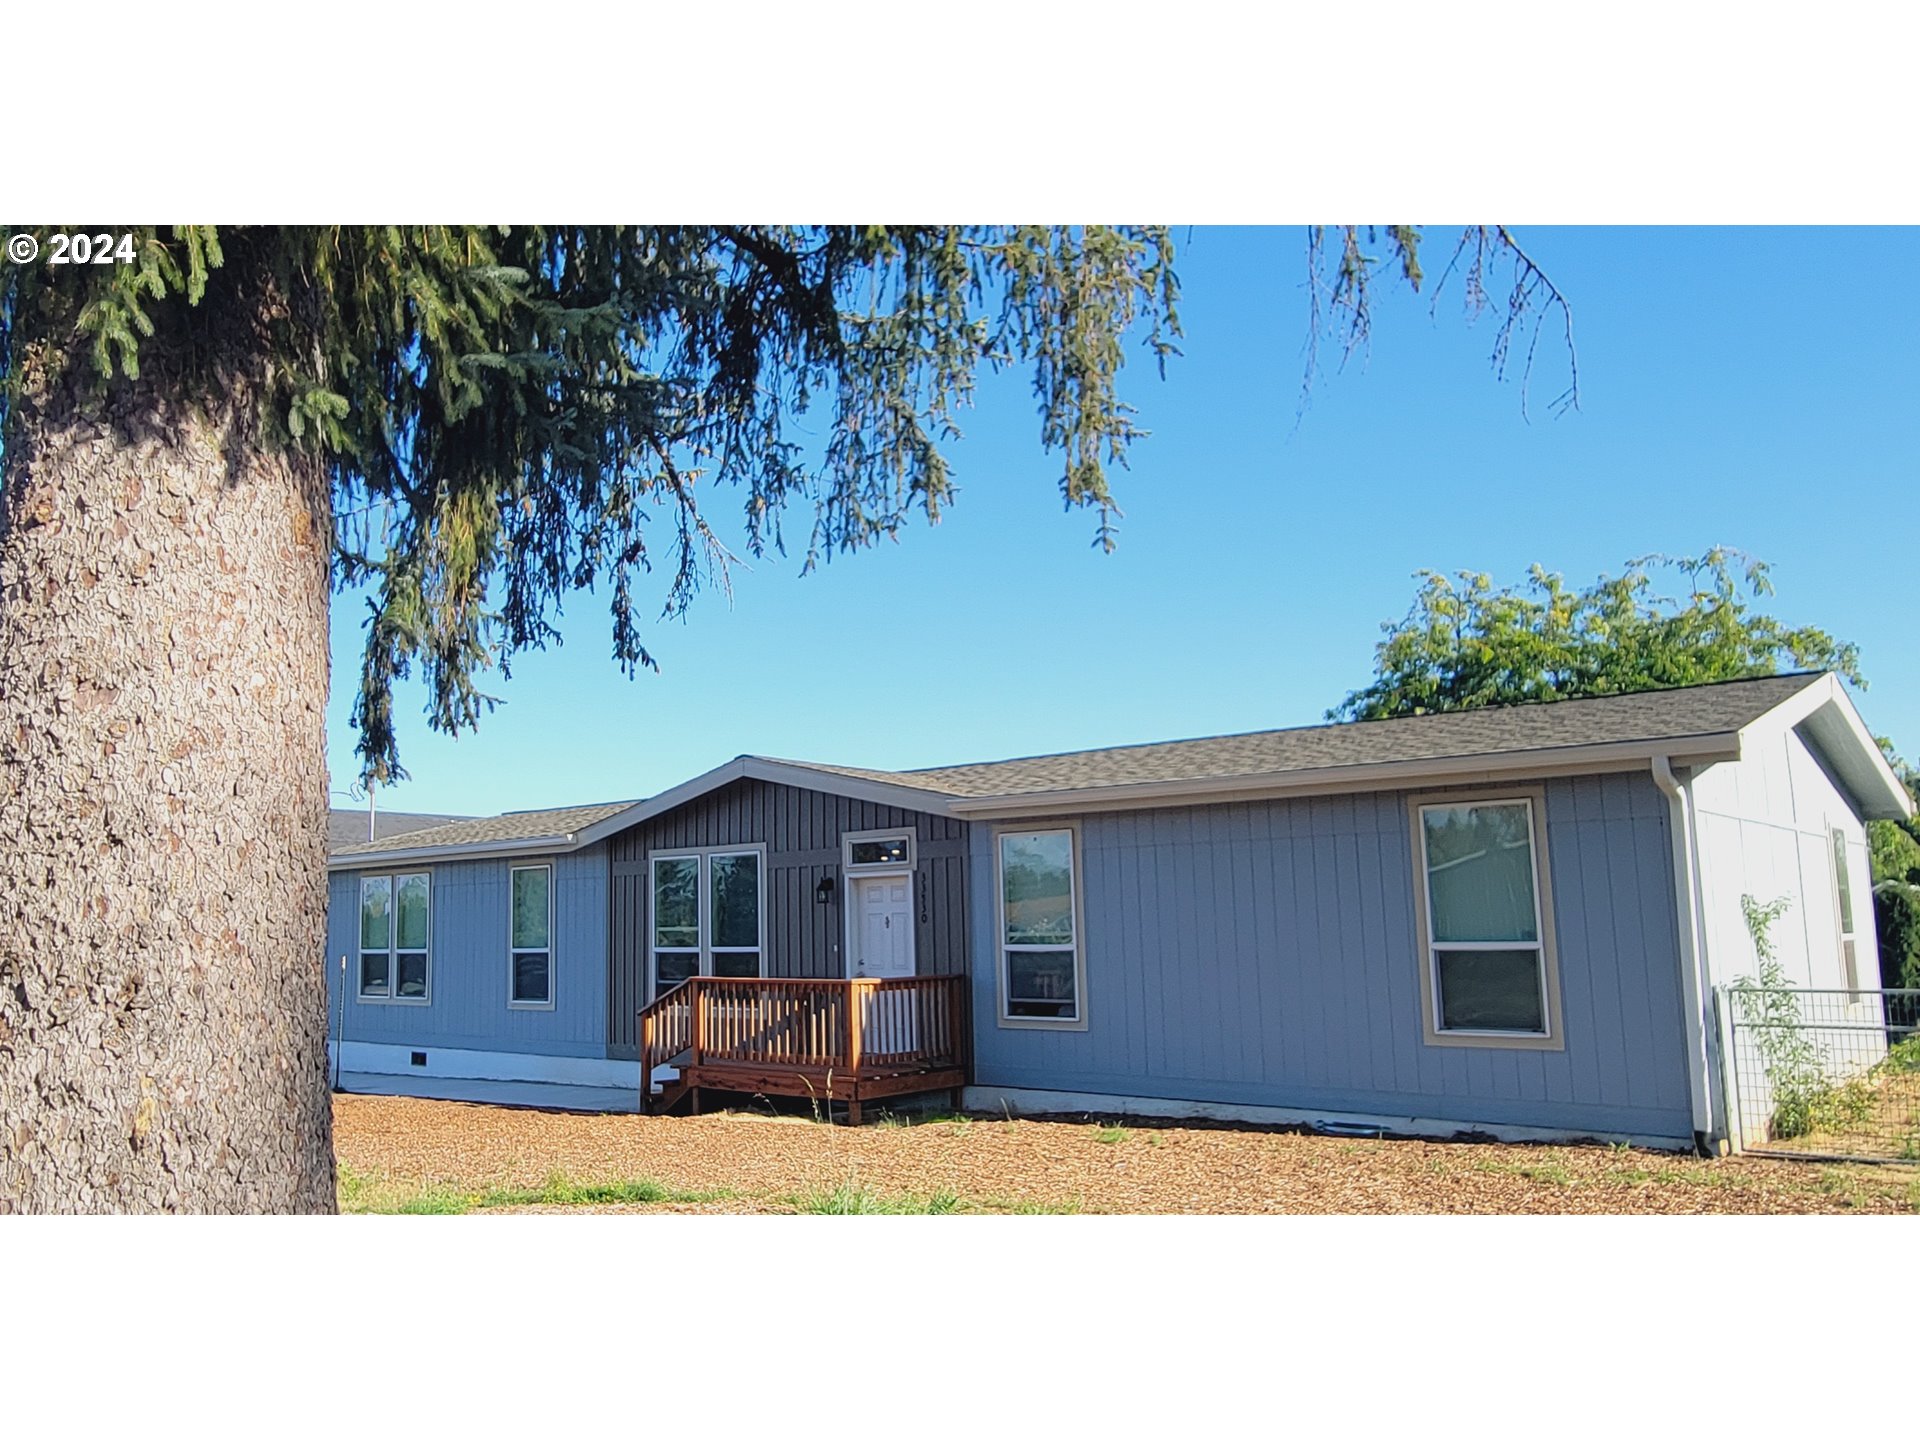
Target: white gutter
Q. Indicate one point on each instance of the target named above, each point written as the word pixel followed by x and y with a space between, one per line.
pixel 1692 945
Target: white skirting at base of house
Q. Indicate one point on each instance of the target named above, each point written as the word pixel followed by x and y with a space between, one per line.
pixel 366 1058
pixel 1073 1102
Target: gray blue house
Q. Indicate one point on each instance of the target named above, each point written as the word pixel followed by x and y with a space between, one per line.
pixel 1508 921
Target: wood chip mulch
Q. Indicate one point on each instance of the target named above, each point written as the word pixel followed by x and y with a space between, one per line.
pixel 1131 1166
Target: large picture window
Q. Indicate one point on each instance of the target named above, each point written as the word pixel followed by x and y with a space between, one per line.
pixel 394 926
pixel 1487 942
pixel 530 937
pixel 1040 970
pixel 708 916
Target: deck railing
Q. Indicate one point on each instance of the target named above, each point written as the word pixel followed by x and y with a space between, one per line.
pixel 851 1028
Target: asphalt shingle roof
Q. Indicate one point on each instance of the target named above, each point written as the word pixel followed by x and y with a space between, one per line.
pixel 1649 715
pixel 349 827
pixel 514 825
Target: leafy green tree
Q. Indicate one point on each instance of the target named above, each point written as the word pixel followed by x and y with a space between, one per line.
pixel 1467 642
pixel 1894 845
pixel 472 423
pixel 1896 919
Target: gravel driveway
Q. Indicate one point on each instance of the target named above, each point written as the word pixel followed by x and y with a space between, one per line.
pixel 440 1156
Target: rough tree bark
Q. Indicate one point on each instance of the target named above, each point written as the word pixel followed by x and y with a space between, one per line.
pixel 163 685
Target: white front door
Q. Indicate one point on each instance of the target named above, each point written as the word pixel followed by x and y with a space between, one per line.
pixel 882 927
pixel 883 950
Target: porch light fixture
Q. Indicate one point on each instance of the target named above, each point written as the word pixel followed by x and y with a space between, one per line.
pixel 823 892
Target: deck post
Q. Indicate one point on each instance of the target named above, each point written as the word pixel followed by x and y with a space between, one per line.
pixel 646 1066
pixel 856 998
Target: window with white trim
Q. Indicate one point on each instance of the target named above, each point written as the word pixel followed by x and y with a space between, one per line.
pixel 709 910
pixel 676 920
pixel 733 910
pixel 1486 948
pixel 394 926
pixel 1843 911
pixel 530 937
pixel 1040 977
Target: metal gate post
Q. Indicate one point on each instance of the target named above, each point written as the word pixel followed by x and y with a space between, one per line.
pixel 1729 1069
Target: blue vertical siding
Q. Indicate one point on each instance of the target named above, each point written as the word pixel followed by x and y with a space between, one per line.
pixel 1266 954
pixel 468 1009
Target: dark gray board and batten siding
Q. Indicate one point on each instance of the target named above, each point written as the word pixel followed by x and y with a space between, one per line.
pixel 1266 954
pixel 802 831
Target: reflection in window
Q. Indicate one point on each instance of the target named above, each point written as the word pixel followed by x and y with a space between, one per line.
pixel 1039 954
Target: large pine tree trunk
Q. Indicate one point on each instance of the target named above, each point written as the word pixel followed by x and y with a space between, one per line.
pixel 163 684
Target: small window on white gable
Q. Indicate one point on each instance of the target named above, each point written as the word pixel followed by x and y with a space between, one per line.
pixel 1843 910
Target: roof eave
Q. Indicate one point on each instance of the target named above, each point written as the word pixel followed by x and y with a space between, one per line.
pixel 557 844
pixel 1824 715
pixel 1389 775
pixel 744 767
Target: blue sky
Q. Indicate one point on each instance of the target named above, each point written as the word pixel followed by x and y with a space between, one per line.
pixel 1749 387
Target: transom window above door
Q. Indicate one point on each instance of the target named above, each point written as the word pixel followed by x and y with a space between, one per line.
pixel 876 850
pixel 709 915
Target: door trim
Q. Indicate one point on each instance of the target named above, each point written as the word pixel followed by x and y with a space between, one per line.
pixel 847 918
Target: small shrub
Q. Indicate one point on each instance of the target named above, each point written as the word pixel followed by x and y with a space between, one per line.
pixel 1795 1069
pixel 1110 1134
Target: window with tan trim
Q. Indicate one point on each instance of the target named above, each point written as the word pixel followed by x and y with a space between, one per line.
pixel 395 920
pixel 1485 922
pixel 1041 970
pixel 530 937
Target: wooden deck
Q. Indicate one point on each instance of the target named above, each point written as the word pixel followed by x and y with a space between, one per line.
pixel 847 1041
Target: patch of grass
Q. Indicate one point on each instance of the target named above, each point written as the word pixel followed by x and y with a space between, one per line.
pixel 1541 1172
pixel 371 1195
pixel 1110 1134
pixel 435 1200
pixel 559 1190
pixel 360 1194
pixel 850 1199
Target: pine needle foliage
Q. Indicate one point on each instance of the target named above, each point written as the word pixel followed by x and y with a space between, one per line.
pixel 509 414
pixel 513 413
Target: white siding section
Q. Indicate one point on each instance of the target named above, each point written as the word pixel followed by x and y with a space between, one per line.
pixel 1763 831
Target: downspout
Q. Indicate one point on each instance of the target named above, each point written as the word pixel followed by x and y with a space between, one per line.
pixel 1695 992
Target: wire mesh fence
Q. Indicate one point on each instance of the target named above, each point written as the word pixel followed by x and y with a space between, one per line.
pixel 1826 1072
